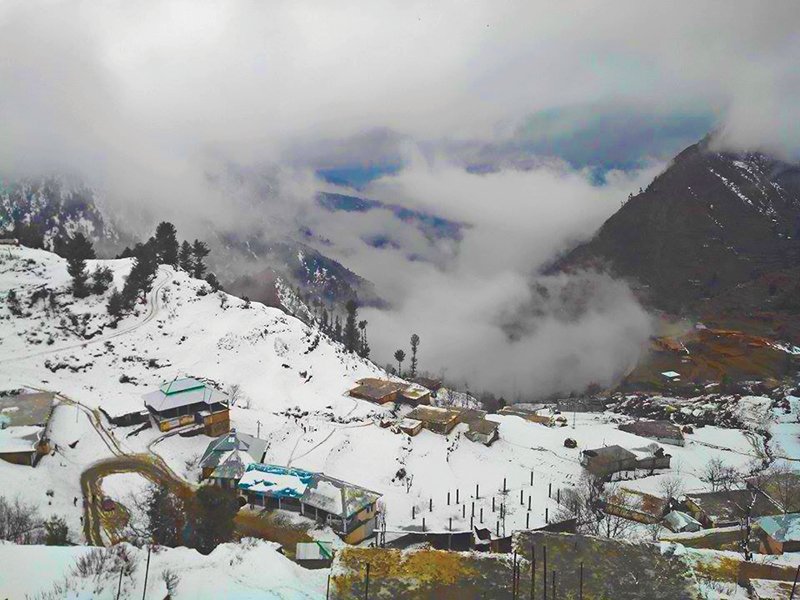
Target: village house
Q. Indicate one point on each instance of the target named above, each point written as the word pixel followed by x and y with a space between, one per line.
pixel 608 460
pixel 431 384
pixel 382 391
pixel 186 401
pixel 410 426
pixel 379 391
pixel 433 418
pixel 349 510
pixel 636 506
pixel 664 432
pixel 680 522
pixel 483 432
pixel 651 457
pixel 226 458
pixel 778 533
pixel 581 405
pixel 726 508
pixel 25 427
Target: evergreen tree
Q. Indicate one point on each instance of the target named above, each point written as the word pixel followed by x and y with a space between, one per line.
pixel 56 532
pixel 325 324
pixel 186 258
pixel 414 346
pixel 140 280
pixel 212 280
pixel 350 326
pixel 199 252
pixel 12 300
pixel 165 516
pixel 337 329
pixel 166 242
pixel 77 250
pixel 115 304
pixel 400 356
pixel 214 509
pixel 363 346
pixel 101 280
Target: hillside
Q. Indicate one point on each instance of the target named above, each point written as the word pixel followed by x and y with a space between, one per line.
pixel 715 233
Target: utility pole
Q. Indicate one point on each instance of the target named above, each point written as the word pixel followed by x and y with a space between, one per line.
pixel 147 570
pixel 258 423
pixel 366 586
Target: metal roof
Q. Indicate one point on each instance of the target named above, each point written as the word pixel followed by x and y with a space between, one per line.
pixel 182 392
pixel 782 528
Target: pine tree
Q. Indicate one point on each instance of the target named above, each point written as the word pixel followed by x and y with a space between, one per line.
pixel 115 304
pixel 363 346
pixel 186 258
pixel 350 326
pixel 77 250
pixel 215 509
pixel 101 280
pixel 414 346
pixel 337 329
pixel 140 280
pixel 199 252
pixel 400 356
pixel 212 280
pixel 166 242
pixel 165 516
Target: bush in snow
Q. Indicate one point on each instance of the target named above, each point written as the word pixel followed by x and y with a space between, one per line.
pixel 56 532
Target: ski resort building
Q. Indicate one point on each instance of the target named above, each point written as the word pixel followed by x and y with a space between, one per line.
pixel 227 457
pixel 24 427
pixel 350 510
pixel 187 401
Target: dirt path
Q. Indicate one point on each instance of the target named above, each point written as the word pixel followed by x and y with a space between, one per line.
pixel 148 466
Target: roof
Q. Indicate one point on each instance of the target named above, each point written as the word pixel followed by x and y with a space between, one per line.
pixel 314 489
pixel 179 386
pixel 415 392
pixel 653 429
pixel 783 528
pixel 483 426
pixel 316 550
pixel 732 504
pixel 677 520
pixel 610 453
pixel 232 465
pixel 638 501
pixel 433 414
pixel 20 439
pixel 182 392
pixel 671 374
pixel 428 382
pixel 219 448
pixel 376 389
pixel 26 409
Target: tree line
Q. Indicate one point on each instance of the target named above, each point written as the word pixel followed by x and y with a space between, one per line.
pixel 160 249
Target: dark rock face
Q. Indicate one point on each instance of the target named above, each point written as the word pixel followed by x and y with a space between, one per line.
pixel 712 226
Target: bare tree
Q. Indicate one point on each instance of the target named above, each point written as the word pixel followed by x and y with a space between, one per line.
pixel 234 392
pixel 719 475
pixel 671 487
pixel 19 523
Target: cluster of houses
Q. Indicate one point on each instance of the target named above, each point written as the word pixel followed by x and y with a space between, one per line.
pixel 25 427
pixel 236 461
pixel 424 415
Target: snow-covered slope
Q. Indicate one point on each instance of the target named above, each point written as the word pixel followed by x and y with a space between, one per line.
pixel 294 384
pixel 250 570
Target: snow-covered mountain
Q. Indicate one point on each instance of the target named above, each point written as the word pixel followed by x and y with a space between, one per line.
pixel 714 231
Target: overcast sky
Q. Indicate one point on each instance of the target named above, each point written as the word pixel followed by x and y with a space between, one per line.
pixel 493 113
